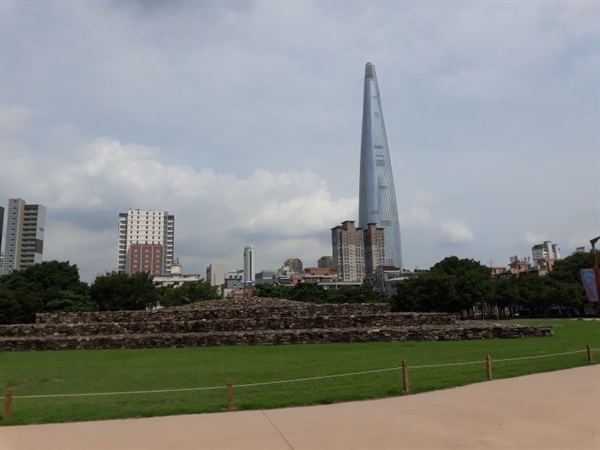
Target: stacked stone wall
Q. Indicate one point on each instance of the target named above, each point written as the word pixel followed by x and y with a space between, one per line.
pixel 246 322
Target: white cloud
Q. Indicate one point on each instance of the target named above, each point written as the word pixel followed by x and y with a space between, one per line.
pixel 289 212
pixel 535 238
pixel 14 118
pixel 456 232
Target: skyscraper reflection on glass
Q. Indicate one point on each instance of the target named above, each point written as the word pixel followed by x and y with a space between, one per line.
pixel 377 195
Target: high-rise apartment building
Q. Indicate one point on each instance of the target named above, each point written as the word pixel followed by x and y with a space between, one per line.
pixel 24 242
pixel 357 252
pixel 377 194
pixel 374 248
pixel 146 242
pixel 249 264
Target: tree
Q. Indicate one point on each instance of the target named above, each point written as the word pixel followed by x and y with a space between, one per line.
pixel 191 292
pixel 271 291
pixel 365 293
pixel 308 292
pixel 116 291
pixel 50 286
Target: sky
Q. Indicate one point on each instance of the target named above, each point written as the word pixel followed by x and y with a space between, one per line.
pixel 243 119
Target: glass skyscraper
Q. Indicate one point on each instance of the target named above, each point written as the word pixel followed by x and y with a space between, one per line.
pixel 377 195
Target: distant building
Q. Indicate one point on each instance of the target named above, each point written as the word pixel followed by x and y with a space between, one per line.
pixel 176 278
pixel 545 251
pixel 294 264
pixel 357 252
pixel 348 249
pixel 216 273
pixel 24 242
pixel 1 231
pixel 146 242
pixel 544 256
pixel 249 264
pixel 325 262
pixel 518 266
pixel 374 248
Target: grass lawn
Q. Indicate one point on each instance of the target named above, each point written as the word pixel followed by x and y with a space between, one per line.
pixel 102 371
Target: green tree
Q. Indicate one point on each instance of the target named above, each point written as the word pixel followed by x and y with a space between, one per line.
pixel 452 285
pixel 271 291
pixel 192 292
pixel 50 286
pixel 116 291
pixel 308 292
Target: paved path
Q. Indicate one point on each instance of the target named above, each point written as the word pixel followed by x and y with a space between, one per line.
pixel 556 410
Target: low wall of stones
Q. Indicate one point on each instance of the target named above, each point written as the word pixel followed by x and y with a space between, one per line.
pixel 220 310
pixel 256 321
pixel 174 324
pixel 275 337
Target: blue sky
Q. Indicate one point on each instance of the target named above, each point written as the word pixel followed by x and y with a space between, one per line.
pixel 243 120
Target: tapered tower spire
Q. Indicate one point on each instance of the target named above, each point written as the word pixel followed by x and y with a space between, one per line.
pixel 377 195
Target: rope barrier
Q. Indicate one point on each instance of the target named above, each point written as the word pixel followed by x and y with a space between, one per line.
pixel 322 377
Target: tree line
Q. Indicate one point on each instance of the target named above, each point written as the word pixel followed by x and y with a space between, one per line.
pixel 459 285
pixel 55 286
pixel 451 285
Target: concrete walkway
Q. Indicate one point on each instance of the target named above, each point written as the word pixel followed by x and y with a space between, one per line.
pixel 556 410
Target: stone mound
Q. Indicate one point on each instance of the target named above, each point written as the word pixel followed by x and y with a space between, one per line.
pixel 254 321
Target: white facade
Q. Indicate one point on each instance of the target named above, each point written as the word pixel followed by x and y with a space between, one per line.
pixel 24 243
pixel 146 227
pixel 216 273
pixel 545 251
pixel 249 264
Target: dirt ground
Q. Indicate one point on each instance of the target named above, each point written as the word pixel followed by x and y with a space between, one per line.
pixel 556 410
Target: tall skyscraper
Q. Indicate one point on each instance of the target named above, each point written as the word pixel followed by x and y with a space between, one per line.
pixel 146 242
pixel 1 232
pixel 377 195
pixel 24 244
pixel 249 264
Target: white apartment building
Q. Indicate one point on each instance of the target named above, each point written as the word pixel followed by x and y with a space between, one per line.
pixel 140 234
pixel 24 243
pixel 545 251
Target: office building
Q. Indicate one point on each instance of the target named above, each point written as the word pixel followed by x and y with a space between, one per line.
pixel 377 194
pixel 146 242
pixel 24 242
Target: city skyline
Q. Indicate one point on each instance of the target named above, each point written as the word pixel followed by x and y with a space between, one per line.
pixel 247 127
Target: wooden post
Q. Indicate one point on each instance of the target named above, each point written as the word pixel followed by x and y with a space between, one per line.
pixel 589 353
pixel 7 404
pixel 229 393
pixel 488 366
pixel 405 381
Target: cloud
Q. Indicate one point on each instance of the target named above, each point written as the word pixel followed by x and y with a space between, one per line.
pixel 215 213
pixel 14 118
pixel 457 233
pixel 535 238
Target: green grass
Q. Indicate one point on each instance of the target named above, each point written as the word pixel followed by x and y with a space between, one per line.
pixel 96 371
